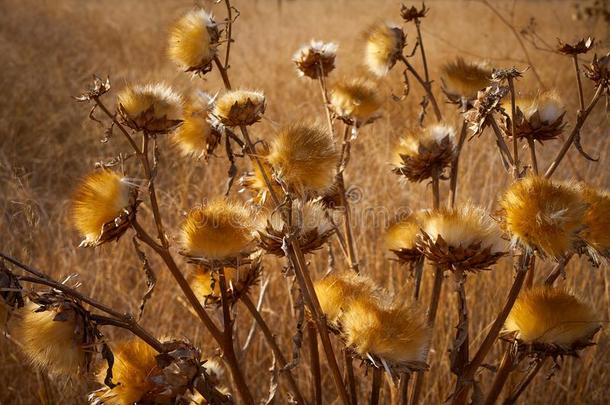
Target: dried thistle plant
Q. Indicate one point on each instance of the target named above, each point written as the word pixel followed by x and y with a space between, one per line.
pixel 315 59
pixel 239 107
pixel 193 42
pixel 462 80
pixel 152 108
pixel 539 118
pixel 196 136
pixel 355 101
pixel 384 44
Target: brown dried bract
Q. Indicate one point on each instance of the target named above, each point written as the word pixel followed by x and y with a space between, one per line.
pixel 99 88
pixel 599 71
pixel 488 101
pixel 576 48
pixel 534 127
pixel 412 13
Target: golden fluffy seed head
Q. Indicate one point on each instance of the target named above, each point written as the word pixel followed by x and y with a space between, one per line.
pixel 539 118
pixel 196 136
pixel 315 57
pixel 205 283
pixel 240 107
pixel 153 108
pixel 463 79
pixel 337 290
pixel 422 152
pixel 100 199
pixel 403 234
pixel 254 181
pixel 134 366
pixel 596 233
pixel 543 215
pixel 304 158
pixel 384 43
pixel 552 316
pixel 221 229
pixel 356 100
pixel 193 41
pixel 396 333
pixel 52 339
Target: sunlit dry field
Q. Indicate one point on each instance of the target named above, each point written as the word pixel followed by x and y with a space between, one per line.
pixel 50 51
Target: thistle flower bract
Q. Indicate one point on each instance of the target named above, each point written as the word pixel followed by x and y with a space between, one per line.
pixel 336 291
pixel 395 333
pixel 313 228
pixel 402 236
pixel 196 136
pixel 254 181
pixel 314 58
pixel 193 42
pixel 539 118
pixel 219 230
pixel 596 233
pixel 135 366
pixel 103 206
pixel 304 158
pixel 355 101
pixel 542 215
pixel 462 80
pixel 423 152
pixel 152 108
pixel 11 296
pixel 464 238
pixel 240 107
pixel 53 338
pixel 384 44
pixel 552 316
pixel 205 282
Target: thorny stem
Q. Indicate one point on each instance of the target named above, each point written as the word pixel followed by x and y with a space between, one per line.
pixel 558 269
pixel 245 299
pixel 351 378
pixel 229 32
pixel 152 193
pixel 455 163
pixel 511 87
pixel 580 121
pixel 532 146
pixel 223 73
pixel 581 97
pixel 500 140
pixel 506 366
pixel 314 360
pixel 426 86
pixel 464 383
pixel 512 398
pixel 436 193
pixel 420 40
pixel 133 327
pixel 376 386
pixel 460 354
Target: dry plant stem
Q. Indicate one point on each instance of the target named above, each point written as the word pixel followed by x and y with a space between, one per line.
pixel 529 280
pixel 511 87
pixel 532 146
pixel 223 73
pixel 460 356
pixel 513 397
pixel 351 378
pixel 581 98
pixel 227 345
pixel 376 386
pixel 500 139
pixel 403 389
pixel 455 163
pixel 558 269
pixel 420 40
pixel 580 121
pixel 324 91
pixel 314 361
pixel 436 191
pixel 426 86
pixel 229 32
pixel 464 383
pixel 502 374
pixel 294 389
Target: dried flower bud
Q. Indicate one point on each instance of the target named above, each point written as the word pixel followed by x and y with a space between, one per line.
pixel 401 238
pixel 303 158
pixel 552 319
pixel 599 71
pixel 488 101
pixel 103 207
pixel 152 108
pixel 356 101
pixel 412 13
pixel 205 282
pixel 315 58
pixel 54 336
pixel 384 44
pixel 196 136
pixel 463 80
pixel 422 153
pixel 11 296
pixel 580 47
pixel 544 216
pixel 193 42
pixel 539 118
pixel 397 334
pixel 240 107
pixel 463 238
pixel 221 230
pixel 310 225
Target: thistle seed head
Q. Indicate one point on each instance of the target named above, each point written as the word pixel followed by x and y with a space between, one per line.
pixel 152 108
pixel 193 42
pixel 463 80
pixel 356 101
pixel 315 57
pixel 384 44
pixel 240 107
pixel 196 136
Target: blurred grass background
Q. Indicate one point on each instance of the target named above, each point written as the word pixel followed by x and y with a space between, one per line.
pixel 51 49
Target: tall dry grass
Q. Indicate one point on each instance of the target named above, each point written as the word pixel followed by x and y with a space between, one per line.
pixel 49 52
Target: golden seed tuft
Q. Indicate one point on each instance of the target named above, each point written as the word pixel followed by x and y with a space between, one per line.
pixel 463 80
pixel 551 316
pixel 596 233
pixel 102 206
pixel 356 100
pixel 539 118
pixel 221 229
pixel 402 236
pixel 240 107
pixel 152 108
pixel 384 44
pixel 304 158
pixel 193 41
pixel 542 215
pixel 315 57
pixel 196 136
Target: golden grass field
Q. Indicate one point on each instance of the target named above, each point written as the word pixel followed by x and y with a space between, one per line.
pixel 51 49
